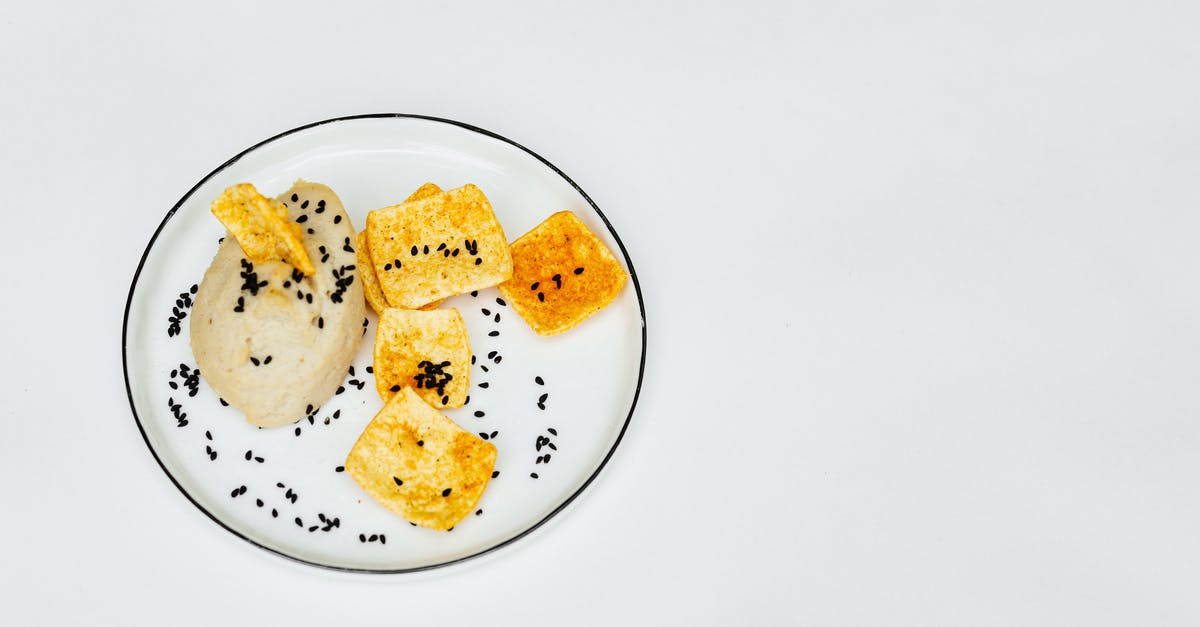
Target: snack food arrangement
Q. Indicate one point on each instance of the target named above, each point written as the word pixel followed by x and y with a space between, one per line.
pixel 278 318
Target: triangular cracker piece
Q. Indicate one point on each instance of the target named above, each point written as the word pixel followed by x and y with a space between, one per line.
pixel 419 464
pixel 261 227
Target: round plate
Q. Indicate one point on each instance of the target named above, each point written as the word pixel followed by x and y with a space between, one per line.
pixel 555 407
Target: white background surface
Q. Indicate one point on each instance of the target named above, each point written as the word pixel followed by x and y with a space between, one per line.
pixel 920 281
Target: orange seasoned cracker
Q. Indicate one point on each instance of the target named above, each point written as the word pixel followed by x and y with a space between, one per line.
pixel 562 273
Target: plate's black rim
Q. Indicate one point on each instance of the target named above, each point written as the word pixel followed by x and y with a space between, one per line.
pixel 153 238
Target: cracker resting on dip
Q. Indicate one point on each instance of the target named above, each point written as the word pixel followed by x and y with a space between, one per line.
pixel 271 341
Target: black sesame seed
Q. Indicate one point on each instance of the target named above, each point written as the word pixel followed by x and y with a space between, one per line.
pixel 254 360
pixel 479 414
pixel 194 288
pixel 552 431
pixel 307 410
pixel 395 388
pixel 420 442
pixel 258 502
pixel 535 285
pixel 274 513
pixel 493 333
pixel 478 512
pixel 341 388
pixel 541 297
pixel 413 251
pixel 485 311
pixel 340 469
pixel 578 270
pixel 497 318
pixel 302 219
pixel 382 539
pixel 426 249
pixel 484 368
pixel 249 454
pixel 371 369
pixel 491 355
pixel 484 385
pixel 474 293
pixel 295 198
pixel 387 266
pixel 441 246
pixel 308 297
pixel 446 492
pixel 539 381
pixel 362 538
pixel 337 219
pixel 310 231
pixel 534 475
pixel 267 360
pixel 321 322
pixel 478 261
pixel 297 431
pixel 495 473
pixel 398 480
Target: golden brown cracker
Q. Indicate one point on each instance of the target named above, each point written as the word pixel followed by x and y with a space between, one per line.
pixel 426 350
pixel 446 244
pixel 366 270
pixel 419 464
pixel 562 273
pixel 262 227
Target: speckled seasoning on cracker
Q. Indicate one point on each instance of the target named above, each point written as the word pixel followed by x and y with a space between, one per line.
pixel 425 350
pixel 419 464
pixel 562 274
pixel 444 244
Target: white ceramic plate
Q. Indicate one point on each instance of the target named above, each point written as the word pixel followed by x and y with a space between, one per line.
pixel 282 489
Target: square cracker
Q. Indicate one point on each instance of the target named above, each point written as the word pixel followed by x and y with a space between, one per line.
pixel 366 268
pixel 562 273
pixel 443 245
pixel 425 350
pixel 419 464
pixel 262 227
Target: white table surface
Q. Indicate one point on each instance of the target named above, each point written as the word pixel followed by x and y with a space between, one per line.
pixel 920 281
